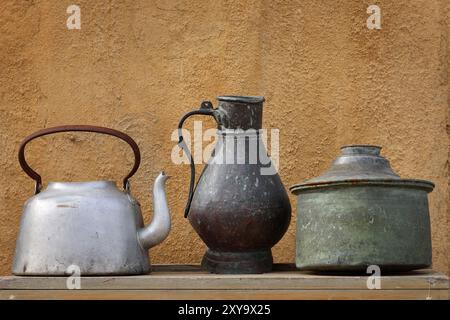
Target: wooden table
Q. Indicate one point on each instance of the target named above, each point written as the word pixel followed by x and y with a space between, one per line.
pixel 190 282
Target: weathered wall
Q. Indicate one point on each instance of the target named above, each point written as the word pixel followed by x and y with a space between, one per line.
pixel 445 42
pixel 137 66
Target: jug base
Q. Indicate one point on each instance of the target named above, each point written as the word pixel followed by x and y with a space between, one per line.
pixel 247 262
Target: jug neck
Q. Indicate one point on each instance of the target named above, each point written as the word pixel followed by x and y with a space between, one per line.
pixel 240 112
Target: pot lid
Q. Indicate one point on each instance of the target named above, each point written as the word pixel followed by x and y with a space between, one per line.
pixel 360 164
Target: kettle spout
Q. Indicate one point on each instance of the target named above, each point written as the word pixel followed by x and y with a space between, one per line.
pixel 159 228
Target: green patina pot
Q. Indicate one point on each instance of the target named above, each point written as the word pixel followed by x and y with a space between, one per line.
pixel 361 213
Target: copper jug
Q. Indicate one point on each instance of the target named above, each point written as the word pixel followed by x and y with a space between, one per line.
pixel 238 209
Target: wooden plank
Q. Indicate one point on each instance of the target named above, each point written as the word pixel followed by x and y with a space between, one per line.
pixel 226 294
pixel 190 282
pixel 196 279
pixel 195 282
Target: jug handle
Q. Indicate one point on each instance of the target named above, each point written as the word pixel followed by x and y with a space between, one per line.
pixel 84 128
pixel 206 108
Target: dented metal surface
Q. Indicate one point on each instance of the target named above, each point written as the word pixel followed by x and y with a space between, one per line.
pixel 92 227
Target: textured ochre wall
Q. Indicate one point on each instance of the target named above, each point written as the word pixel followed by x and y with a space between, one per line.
pixel 137 66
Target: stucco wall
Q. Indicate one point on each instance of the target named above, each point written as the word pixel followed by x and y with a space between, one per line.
pixel 137 66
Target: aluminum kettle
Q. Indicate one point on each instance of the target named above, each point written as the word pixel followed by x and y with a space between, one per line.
pixel 92 226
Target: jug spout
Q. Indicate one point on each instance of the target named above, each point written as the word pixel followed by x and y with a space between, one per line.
pixel 159 228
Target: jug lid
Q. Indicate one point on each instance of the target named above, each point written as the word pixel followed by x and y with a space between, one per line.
pixel 242 99
pixel 360 165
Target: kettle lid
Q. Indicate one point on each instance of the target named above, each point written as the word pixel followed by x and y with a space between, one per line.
pixel 82 185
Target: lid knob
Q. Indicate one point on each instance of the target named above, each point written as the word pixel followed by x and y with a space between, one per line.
pixel 364 149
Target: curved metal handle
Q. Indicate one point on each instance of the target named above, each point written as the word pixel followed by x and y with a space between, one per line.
pixel 84 128
pixel 206 108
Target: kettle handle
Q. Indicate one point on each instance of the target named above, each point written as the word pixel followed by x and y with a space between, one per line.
pixel 206 108
pixel 84 128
